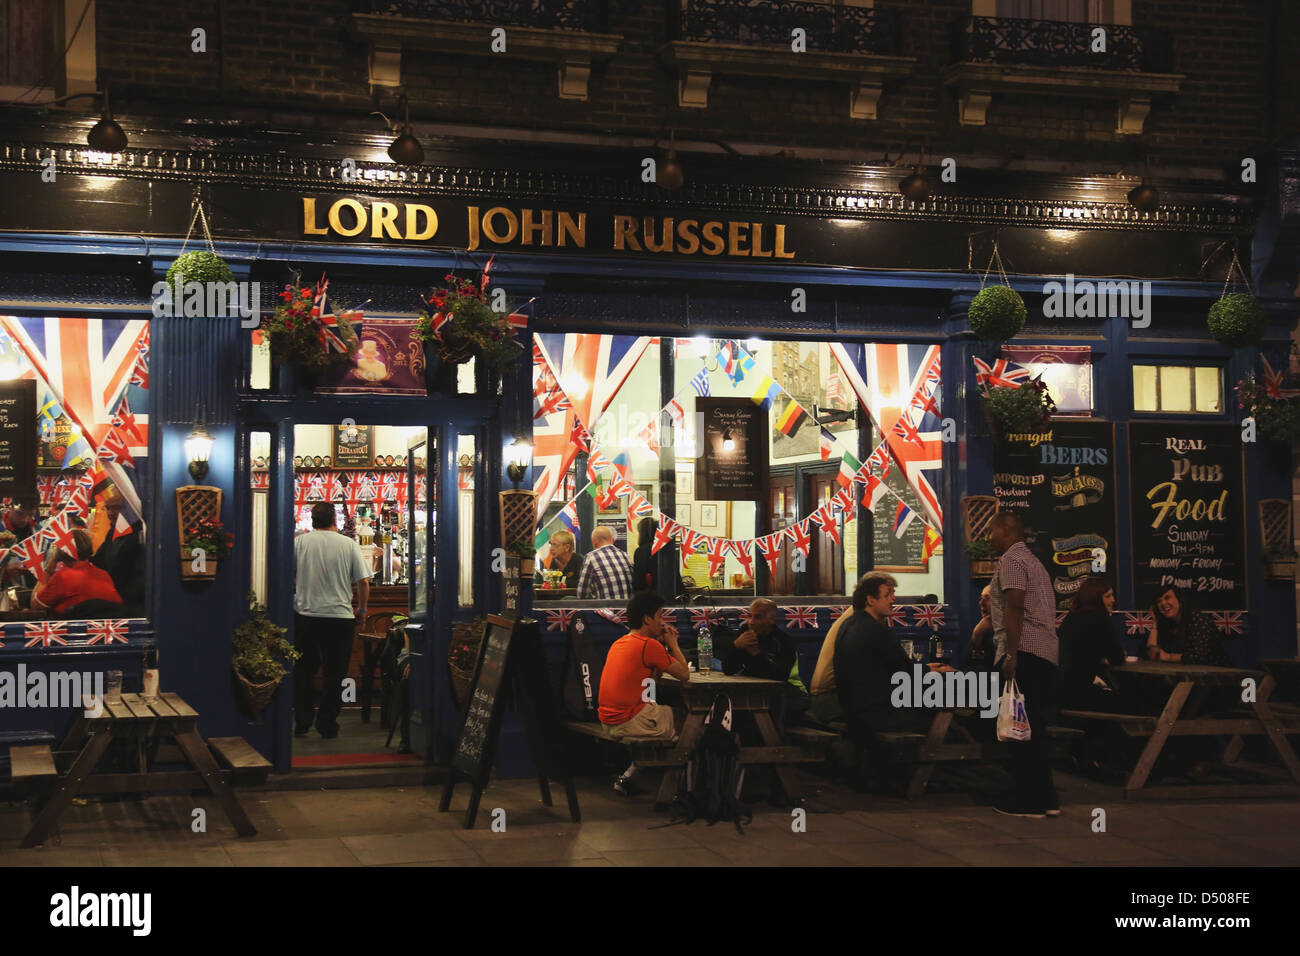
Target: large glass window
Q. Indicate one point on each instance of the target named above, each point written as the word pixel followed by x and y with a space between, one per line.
pixel 617 444
pixel 1183 389
pixel 74 445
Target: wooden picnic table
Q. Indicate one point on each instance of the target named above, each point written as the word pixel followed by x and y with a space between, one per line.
pixel 1286 671
pixel 1189 688
pixel 749 695
pixel 56 777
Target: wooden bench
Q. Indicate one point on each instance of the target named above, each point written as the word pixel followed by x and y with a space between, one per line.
pixel 814 743
pixel 247 766
pixel 1135 725
pixel 32 768
pixel 646 753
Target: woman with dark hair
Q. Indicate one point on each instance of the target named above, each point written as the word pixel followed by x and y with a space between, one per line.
pixel 1183 634
pixel 644 572
pixel 1089 648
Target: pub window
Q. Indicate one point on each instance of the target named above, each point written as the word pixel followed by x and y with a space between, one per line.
pixel 79 472
pixel 259 453
pixel 1073 11
pixel 732 456
pixel 1185 389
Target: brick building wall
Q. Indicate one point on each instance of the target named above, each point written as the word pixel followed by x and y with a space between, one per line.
pixel 296 56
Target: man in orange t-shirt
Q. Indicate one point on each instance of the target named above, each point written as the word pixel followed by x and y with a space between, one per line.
pixel 626 710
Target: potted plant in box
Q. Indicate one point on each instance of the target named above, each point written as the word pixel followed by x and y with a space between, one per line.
pixel 208 535
pixel 1279 563
pixel 983 559
pixel 525 551
pixel 1013 410
pixel 260 656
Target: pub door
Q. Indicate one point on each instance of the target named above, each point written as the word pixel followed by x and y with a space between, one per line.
pixel 826 564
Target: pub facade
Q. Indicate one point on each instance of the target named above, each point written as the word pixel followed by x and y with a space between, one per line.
pixel 767 378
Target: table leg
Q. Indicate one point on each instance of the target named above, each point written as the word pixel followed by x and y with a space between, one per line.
pixel 1168 717
pixel 1271 727
pixel 196 752
pixel 921 775
pixel 66 788
pixel 692 730
pixel 784 773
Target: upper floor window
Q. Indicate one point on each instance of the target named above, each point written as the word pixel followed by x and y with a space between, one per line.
pixel 1185 389
pixel 1071 11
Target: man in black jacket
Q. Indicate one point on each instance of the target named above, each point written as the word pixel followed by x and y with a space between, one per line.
pixel 764 650
pixel 866 659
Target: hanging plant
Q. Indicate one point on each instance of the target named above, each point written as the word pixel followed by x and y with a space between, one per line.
pixel 260 657
pixel 199 267
pixel 302 332
pixel 997 313
pixel 461 325
pixel 1237 319
pixel 210 535
pixel 1277 416
pixel 1020 410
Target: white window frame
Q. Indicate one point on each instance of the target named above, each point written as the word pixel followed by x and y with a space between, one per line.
pixel 1188 364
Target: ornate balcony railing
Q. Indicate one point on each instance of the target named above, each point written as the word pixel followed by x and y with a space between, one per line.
pixel 1010 40
pixel 585 15
pixel 838 29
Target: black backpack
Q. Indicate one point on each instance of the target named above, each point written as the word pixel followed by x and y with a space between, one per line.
pixel 711 783
pixel 581 688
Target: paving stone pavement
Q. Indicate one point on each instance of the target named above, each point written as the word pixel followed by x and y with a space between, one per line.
pixel 388 826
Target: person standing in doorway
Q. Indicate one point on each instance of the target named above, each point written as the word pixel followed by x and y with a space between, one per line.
pixel 1024 633
pixel 328 565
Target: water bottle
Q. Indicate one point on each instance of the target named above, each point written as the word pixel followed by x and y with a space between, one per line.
pixel 704 641
pixel 936 649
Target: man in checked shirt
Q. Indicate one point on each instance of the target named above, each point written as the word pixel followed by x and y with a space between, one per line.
pixel 606 573
pixel 1024 632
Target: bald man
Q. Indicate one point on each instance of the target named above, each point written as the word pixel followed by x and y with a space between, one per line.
pixel 606 572
pixel 764 650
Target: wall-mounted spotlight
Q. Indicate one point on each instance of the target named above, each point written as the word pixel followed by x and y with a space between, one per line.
pixel 198 447
pixel 520 454
pixel 406 149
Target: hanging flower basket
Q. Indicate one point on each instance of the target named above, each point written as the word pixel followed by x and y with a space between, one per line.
pixel 1280 567
pixel 255 697
pixel 207 574
pixel 997 313
pixel 466 637
pixel 460 325
pixel 1237 319
pixel 260 658
pixel 199 266
pixel 1277 415
pixel 303 331
pixel 1013 411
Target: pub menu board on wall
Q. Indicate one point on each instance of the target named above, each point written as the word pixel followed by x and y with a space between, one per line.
pixel 1188 523
pixel 354 446
pixel 733 450
pixel 890 552
pixel 1060 480
pixel 18 439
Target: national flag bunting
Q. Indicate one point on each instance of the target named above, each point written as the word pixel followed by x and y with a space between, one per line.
pixel 791 419
pixel 932 541
pixel 826 443
pixel 848 474
pixel 740 550
pixel 876 489
pixel 928 615
pixel 717 550
pixel 1003 373
pixel 664 534
pixel 45 633
pixel 569 518
pixel 825 519
pixel 766 393
pixel 798 535
pixel 770 547
pixel 700 383
pixel 108 632
pixel 803 618
pixel 691 541
pixel 903 517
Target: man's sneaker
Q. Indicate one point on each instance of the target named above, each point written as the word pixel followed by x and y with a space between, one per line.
pixel 1009 811
pixel 626 786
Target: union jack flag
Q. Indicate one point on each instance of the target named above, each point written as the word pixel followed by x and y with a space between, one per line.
pixel 1136 622
pixel 702 616
pixel 770 547
pixel 803 618
pixel 580 438
pixel 740 550
pixel 837 610
pixel 928 615
pixel 124 421
pixel 1229 622
pixel 665 533
pixel 140 368
pixel 898 615
pixel 616 614
pixel 798 534
pixel 1003 373
pixel 45 633
pixel 621 487
pixel 718 549
pixel 559 620
pixel 650 435
pixel 107 631
pixel 113 448
pixel 639 507
pixel 691 541
pixel 1273 383
pixel 260 480
pixel 825 519
pixel 602 363
pixel 30 554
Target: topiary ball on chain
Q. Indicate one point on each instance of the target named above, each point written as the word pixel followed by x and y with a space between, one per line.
pixel 199 267
pixel 1237 319
pixel 997 313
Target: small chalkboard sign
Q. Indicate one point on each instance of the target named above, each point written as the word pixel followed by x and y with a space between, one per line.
pixel 18 439
pixel 511 660
pixel 891 552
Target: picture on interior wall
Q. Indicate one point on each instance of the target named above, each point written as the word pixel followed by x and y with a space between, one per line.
pixel 685 483
pixel 684 514
pixel 811 376
pixel 708 517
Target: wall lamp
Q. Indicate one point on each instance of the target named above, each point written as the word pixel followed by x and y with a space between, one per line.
pixel 105 136
pixel 520 455
pixel 406 149
pixel 197 449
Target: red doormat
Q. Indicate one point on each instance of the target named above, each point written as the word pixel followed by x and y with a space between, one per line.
pixel 353 760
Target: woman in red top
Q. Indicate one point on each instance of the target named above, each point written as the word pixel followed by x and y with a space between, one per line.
pixel 76 580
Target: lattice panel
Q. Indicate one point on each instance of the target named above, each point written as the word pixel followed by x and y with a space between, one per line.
pixel 979 511
pixel 194 502
pixel 1275 523
pixel 518 515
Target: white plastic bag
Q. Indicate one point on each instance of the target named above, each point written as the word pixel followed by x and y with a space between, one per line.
pixel 1013 722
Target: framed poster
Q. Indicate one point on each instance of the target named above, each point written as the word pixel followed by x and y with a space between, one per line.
pixel 56 437
pixel 685 483
pixel 708 517
pixel 1061 482
pixel 353 446
pixel 1188 501
pixel 389 360
pixel 684 514
pixel 733 450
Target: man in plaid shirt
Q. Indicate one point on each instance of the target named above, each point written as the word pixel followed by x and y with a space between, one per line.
pixel 606 573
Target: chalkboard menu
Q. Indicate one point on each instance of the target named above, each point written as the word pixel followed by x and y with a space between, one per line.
pixel 486 703
pixel 733 450
pixel 1188 518
pixel 18 439
pixel 510 585
pixel 1060 481
pixel 890 552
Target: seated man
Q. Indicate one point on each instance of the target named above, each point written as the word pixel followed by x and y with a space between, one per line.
pixel 20 522
pixel 606 571
pixel 764 650
pixel 650 649
pixel 73 581
pixel 980 655
pixel 866 658
pixel 564 557
pixel 825 707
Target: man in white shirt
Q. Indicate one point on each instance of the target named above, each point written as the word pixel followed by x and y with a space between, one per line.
pixel 327 564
